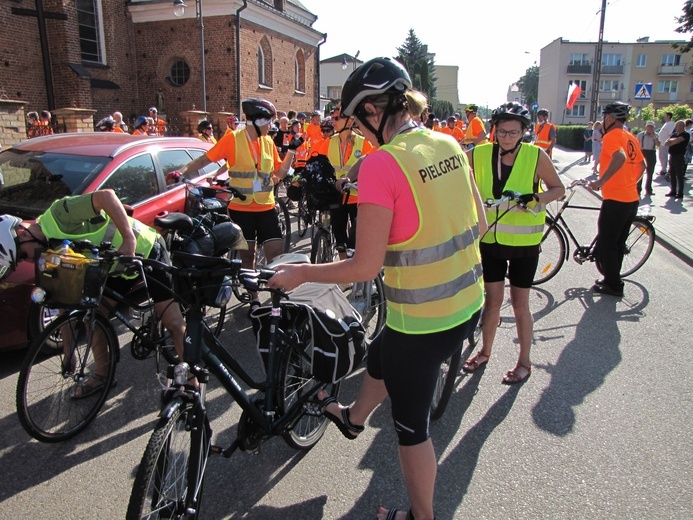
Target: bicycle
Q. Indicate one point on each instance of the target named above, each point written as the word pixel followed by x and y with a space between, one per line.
pixel 555 248
pixel 170 477
pixel 46 404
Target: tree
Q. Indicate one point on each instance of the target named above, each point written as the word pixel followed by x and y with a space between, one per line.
pixel 441 109
pixel 529 85
pixel 419 63
pixel 648 113
pixel 686 21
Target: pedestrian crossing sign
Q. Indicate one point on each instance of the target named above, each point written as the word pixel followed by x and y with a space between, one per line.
pixel 643 91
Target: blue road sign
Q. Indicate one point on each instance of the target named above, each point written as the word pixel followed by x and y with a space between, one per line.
pixel 534 106
pixel 643 91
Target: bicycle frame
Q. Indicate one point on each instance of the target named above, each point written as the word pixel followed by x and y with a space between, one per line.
pixel 562 226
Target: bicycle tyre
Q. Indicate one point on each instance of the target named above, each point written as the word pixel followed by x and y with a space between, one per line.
pixel 373 312
pixel 295 379
pixel 449 369
pixel 639 245
pixel 284 222
pixel 302 217
pixel 552 253
pixel 38 319
pixel 474 337
pixel 46 405
pixel 161 484
pixel 322 249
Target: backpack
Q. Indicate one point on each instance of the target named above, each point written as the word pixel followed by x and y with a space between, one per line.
pixel 319 178
pixel 329 328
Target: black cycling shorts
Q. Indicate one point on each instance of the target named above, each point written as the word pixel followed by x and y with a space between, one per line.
pixel 409 365
pixel 258 226
pixel 520 271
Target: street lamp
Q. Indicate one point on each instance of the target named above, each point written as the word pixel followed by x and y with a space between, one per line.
pixel 345 64
pixel 179 7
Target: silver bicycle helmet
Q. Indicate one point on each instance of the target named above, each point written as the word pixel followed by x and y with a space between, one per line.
pixel 8 241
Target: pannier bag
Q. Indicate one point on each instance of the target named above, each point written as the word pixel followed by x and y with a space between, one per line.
pixel 319 176
pixel 322 318
pixel 71 280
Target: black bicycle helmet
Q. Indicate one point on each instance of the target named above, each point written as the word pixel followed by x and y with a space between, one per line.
pixel 374 77
pixel 511 111
pixel 106 124
pixel 256 108
pixel 543 112
pixel 204 125
pixel 618 109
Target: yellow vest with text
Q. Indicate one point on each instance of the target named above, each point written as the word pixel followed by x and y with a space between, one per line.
pixel 509 224
pixel 335 158
pixel 257 184
pixel 433 281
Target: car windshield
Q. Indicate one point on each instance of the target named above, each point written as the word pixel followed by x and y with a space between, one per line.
pixel 32 181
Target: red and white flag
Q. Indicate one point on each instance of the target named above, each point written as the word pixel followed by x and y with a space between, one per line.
pixel 574 91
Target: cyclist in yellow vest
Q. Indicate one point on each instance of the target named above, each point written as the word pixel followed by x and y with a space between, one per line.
pixel 253 164
pixel 97 217
pixel 475 133
pixel 418 216
pixel 511 244
pixel 343 150
pixel 545 132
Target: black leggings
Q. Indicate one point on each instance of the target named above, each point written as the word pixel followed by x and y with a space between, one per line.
pixel 409 365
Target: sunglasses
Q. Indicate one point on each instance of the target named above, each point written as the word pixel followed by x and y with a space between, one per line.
pixel 327 130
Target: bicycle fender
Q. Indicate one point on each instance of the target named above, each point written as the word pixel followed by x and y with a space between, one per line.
pixel 171 408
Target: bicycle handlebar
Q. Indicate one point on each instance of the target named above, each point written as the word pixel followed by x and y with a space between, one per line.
pixel 509 196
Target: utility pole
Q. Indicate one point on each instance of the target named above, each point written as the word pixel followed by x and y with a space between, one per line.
pixel 596 74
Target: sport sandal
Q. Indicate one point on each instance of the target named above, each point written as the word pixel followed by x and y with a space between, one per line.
pixel 350 431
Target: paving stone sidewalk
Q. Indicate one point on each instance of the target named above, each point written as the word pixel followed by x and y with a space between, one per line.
pixel 674 222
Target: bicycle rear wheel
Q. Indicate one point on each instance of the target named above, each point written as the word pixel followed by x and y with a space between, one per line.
pixel 368 298
pixel 447 376
pixel 284 223
pixel 639 245
pixel 47 404
pixel 551 253
pixel 302 217
pixel 295 382
pixel 161 485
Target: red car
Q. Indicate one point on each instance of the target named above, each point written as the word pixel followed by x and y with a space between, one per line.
pixel 38 171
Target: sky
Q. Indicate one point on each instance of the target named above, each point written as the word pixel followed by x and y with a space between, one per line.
pixel 492 42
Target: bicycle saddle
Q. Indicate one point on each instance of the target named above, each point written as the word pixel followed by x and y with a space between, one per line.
pixel 178 221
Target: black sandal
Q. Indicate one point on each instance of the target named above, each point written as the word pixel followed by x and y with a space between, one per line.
pixel 350 431
pixel 392 513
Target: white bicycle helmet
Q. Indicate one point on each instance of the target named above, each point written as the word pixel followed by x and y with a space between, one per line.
pixel 8 241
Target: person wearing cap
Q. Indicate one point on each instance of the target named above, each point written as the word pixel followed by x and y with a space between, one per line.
pixel 254 167
pixel 231 124
pixel 313 133
pixel 302 119
pixel 159 127
pixel 453 130
pixel 206 131
pixel 545 132
pixel 475 134
pixel 141 126
pixel 649 141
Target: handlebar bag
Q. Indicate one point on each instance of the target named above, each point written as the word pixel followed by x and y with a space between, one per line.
pixel 327 327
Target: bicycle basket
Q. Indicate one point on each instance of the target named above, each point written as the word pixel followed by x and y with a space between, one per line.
pixel 335 342
pixel 319 176
pixel 71 281
pixel 207 287
pixel 200 200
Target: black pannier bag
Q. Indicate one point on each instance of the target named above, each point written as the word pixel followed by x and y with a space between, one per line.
pixel 319 178
pixel 321 317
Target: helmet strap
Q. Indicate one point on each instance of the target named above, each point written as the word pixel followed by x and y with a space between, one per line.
pixel 503 152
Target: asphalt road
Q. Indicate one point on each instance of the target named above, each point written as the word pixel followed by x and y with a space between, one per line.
pixel 600 430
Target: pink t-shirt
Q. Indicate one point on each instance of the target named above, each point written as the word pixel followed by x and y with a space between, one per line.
pixel 382 182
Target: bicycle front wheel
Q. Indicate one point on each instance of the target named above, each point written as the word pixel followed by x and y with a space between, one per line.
pixel 161 485
pixel 445 384
pixel 60 391
pixel 322 248
pixel 639 245
pixel 295 383
pixel 284 223
pixel 368 298
pixel 551 254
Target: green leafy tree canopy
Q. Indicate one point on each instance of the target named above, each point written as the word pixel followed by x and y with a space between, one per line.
pixel 685 27
pixel 529 85
pixel 648 113
pixel 441 109
pixel 419 63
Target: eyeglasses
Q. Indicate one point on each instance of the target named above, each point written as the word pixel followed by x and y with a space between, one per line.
pixel 327 130
pixel 511 133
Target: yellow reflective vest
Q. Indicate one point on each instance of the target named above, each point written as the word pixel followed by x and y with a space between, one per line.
pixel 254 180
pixel 509 224
pixel 341 169
pixel 433 280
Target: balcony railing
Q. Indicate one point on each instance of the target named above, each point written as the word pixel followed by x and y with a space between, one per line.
pixel 612 69
pixel 580 69
pixel 666 70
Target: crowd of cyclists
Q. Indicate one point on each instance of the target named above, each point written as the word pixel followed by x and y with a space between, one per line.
pixel 422 216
